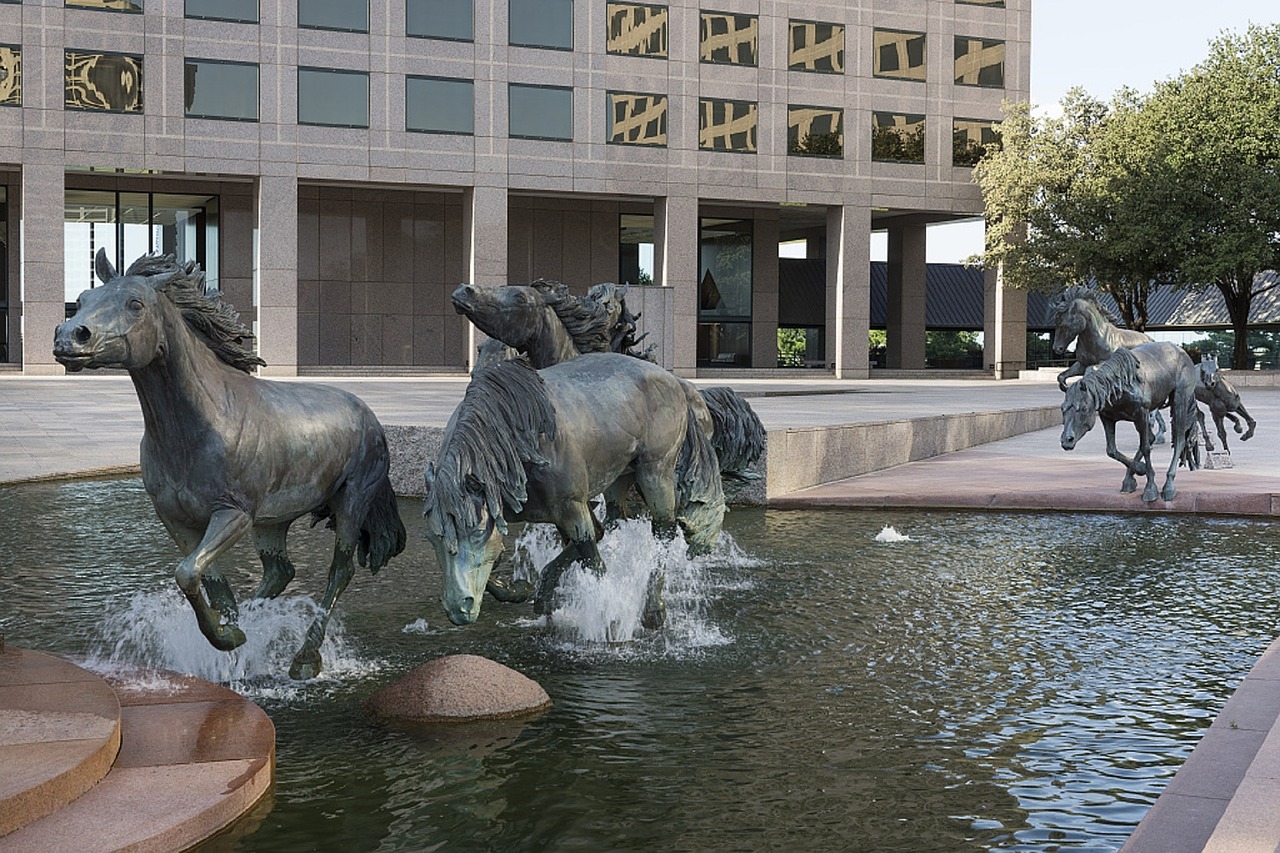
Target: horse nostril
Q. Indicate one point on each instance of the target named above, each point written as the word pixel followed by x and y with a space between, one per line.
pixel 80 335
pixel 467 604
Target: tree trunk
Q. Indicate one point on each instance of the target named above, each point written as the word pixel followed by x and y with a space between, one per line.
pixel 1237 293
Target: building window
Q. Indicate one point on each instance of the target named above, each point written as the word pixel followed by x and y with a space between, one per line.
pixel 130 224
pixel 994 3
pixel 541 23
pixel 815 131
pixel 540 112
pixel 971 138
pixel 439 105
pixel 897 54
pixel 979 62
pixel 333 97
pixel 351 16
pixel 110 5
pixel 636 30
pixel 813 46
pixel 223 90
pixel 637 119
pixel 635 248
pixel 10 75
pixel 239 11
pixel 727 125
pixel 103 81
pixel 452 20
pixel 729 39
pixel 897 137
pixel 724 292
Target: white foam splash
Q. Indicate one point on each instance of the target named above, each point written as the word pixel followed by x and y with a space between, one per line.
pixel 157 629
pixel 888 534
pixel 607 609
pixel 417 626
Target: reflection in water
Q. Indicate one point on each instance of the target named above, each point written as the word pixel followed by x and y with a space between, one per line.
pixel 1025 682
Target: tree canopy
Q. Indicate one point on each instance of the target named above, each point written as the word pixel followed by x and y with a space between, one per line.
pixel 1180 185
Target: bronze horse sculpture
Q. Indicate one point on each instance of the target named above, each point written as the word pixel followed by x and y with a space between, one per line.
pixel 549 325
pixel 1079 315
pixel 225 453
pixel 537 445
pixel 1223 401
pixel 1130 385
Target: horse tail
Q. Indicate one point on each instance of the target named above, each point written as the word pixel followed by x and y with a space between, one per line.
pixel 737 434
pixel 382 533
pixel 699 494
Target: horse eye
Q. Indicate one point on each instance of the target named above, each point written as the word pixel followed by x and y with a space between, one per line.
pixel 135 305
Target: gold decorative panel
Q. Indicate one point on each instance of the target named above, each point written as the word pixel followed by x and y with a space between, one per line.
pixel 727 125
pixel 10 75
pixel 898 54
pixel 813 46
pixel 897 137
pixel 979 62
pixel 103 81
pixel 729 39
pixel 816 131
pixel 971 138
pixel 638 119
pixel 637 30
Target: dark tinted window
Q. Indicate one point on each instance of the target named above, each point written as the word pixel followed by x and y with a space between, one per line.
pixel 439 105
pixel 337 98
pixel 440 19
pixel 220 90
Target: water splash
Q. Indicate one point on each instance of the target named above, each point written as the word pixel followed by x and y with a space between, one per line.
pixel 888 534
pixel 605 610
pixel 157 630
pixel 417 626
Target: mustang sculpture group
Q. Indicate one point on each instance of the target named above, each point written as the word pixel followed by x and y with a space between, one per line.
pixel 579 412
pixel 1125 375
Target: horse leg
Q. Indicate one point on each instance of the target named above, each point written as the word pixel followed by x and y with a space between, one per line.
pixel 1179 447
pixel 225 527
pixel 1109 427
pixel 615 500
pixel 1248 434
pixel 658 488
pixel 1157 427
pixel 306 663
pixel 1218 420
pixel 277 570
pixel 578 527
pixel 1149 493
pixel 1204 430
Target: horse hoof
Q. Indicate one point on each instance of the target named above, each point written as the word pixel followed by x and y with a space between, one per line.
pixel 1169 493
pixel 227 637
pixel 304 669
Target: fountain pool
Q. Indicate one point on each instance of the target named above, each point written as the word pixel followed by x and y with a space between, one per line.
pixel 1024 682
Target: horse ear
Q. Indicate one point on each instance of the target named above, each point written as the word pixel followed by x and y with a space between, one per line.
pixel 103 267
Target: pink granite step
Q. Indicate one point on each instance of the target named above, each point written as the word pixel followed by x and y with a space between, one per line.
pixel 194 757
pixel 59 734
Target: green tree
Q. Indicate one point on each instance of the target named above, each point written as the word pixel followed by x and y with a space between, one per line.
pixel 1215 131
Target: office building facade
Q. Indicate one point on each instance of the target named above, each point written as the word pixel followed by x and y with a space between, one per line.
pixel 339 166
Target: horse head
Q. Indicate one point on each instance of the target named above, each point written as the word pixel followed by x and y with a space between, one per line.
pixel 510 313
pixel 119 324
pixel 466 556
pixel 1079 414
pixel 1209 375
pixel 1068 323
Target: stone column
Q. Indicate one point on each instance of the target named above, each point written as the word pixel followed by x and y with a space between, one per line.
pixel 904 347
pixel 848 256
pixel 275 273
pixel 485 220
pixel 43 276
pixel 764 289
pixel 1010 327
pixel 675 260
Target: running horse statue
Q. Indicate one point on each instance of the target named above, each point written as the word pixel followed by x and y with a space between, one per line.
pixel 1223 401
pixel 1130 385
pixel 537 445
pixel 548 325
pixel 225 453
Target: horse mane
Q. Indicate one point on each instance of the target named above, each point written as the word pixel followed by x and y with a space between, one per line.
pixel 494 434
pixel 1103 383
pixel 623 323
pixel 586 320
pixel 214 322
pixel 1070 294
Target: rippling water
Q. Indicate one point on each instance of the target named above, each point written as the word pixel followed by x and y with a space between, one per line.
pixel 1026 682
